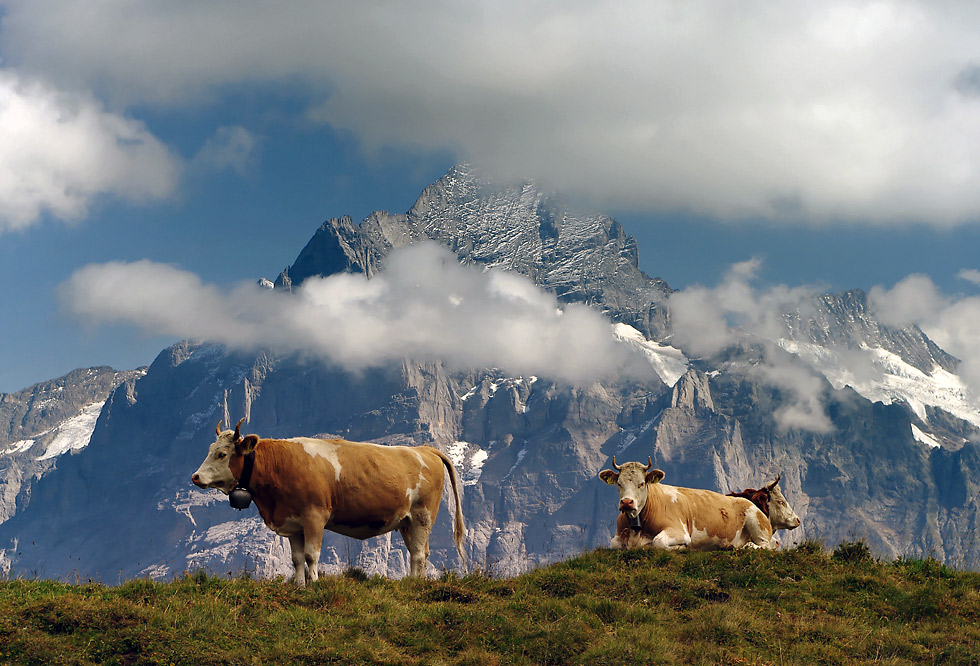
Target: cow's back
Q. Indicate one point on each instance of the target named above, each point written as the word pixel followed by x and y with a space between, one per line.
pixel 713 520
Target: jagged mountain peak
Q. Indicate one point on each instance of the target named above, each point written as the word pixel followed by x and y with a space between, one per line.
pixel 846 319
pixel 580 257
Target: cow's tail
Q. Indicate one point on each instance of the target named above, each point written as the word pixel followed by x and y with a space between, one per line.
pixel 459 529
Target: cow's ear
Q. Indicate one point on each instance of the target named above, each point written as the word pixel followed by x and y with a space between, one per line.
pixel 247 445
pixel 655 476
pixel 609 476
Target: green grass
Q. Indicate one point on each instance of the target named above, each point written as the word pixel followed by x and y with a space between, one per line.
pixel 800 606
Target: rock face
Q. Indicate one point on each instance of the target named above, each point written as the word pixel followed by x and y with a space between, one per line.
pixel 45 421
pixel 901 470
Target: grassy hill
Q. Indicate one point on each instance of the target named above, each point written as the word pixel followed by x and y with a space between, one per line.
pixel 801 606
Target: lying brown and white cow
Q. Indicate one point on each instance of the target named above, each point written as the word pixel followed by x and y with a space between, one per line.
pixel 771 501
pixel 655 514
pixel 302 486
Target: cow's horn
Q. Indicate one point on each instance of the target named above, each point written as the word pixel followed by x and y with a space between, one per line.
pixel 218 429
pixel 773 484
pixel 615 466
pixel 649 464
pixel 238 434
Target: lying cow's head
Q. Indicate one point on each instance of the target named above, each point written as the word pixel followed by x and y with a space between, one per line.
pixel 215 471
pixel 631 478
pixel 781 514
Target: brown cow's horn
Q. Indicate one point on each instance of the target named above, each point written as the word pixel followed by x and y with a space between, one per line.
pixel 238 434
pixel 218 429
pixel 773 484
pixel 649 464
pixel 615 466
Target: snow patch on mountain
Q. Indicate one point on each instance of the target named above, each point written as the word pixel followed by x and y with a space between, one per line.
pixel 75 433
pixel 928 440
pixel 472 470
pixel 669 362
pixel 880 375
pixel 19 446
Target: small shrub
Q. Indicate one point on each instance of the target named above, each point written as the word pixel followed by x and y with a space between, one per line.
pixel 928 568
pixel 810 547
pixel 852 552
pixel 356 573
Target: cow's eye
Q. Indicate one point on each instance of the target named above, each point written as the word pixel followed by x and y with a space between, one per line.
pixel 221 455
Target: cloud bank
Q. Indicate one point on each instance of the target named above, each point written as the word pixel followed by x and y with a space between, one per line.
pixel 58 152
pixel 705 321
pixel 950 321
pixel 425 305
pixel 840 110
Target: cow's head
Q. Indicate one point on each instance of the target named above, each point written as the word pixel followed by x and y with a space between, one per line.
pixel 781 514
pixel 215 471
pixel 631 478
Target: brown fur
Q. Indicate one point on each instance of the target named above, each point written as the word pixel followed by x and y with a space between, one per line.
pixel 758 497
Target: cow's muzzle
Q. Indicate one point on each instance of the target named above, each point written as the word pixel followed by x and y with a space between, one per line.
pixel 628 507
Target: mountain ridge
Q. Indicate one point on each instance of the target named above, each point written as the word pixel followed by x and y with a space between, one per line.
pixel 528 447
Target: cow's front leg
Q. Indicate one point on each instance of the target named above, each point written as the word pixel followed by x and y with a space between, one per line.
pixel 296 546
pixel 670 540
pixel 313 537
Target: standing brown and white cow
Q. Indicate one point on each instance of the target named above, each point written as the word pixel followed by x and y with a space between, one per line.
pixel 302 486
pixel 655 514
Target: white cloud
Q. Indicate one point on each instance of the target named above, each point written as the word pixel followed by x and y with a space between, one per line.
pixel 424 305
pixel 58 152
pixel 799 111
pixel 706 320
pixel 803 410
pixel 952 322
pixel 230 148
pixel 970 274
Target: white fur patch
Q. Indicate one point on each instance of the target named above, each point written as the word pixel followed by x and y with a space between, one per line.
pixel 322 448
pixel 671 492
pixel 413 493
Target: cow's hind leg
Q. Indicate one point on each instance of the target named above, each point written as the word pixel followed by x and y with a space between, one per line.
pixel 415 531
pixel 759 532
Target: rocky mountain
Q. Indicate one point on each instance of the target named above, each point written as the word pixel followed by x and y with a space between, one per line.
pixel 865 422
pixel 45 421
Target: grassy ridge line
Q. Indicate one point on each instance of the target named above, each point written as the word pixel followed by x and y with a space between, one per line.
pixel 800 606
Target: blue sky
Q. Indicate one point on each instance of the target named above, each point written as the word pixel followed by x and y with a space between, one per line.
pixel 835 144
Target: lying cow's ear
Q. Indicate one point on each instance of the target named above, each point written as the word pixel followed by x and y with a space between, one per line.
pixel 655 476
pixel 247 445
pixel 609 476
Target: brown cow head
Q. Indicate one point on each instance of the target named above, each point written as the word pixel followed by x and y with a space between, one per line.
pixel 781 514
pixel 215 471
pixel 631 479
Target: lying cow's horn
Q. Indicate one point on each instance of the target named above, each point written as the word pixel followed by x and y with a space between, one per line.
pixel 238 434
pixel 615 466
pixel 649 464
pixel 773 484
pixel 218 429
